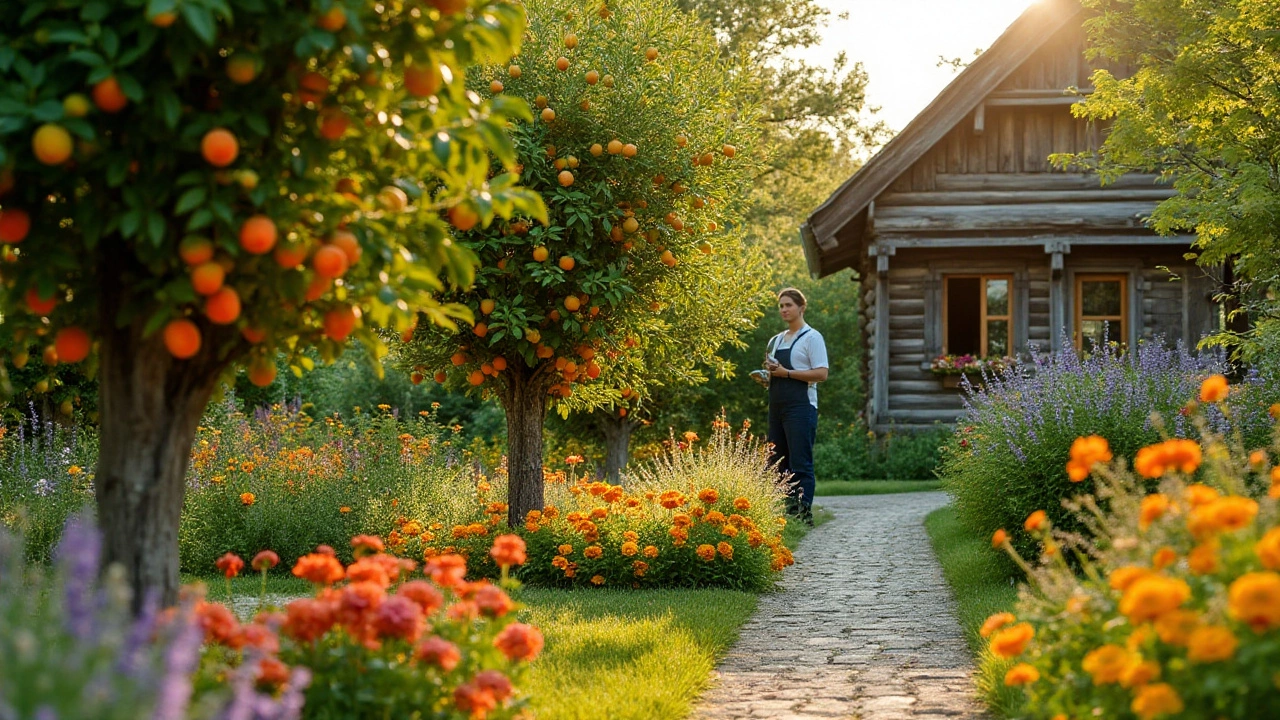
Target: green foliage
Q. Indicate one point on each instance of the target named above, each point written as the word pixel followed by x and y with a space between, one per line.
pixel 1200 108
pixel 46 476
pixel 875 487
pixel 855 453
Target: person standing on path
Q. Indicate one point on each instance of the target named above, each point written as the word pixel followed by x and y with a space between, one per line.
pixel 796 360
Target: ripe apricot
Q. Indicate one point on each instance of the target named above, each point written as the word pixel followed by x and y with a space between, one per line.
pixel 615 147
pixel 562 63
pixel 514 71
pixel 333 124
pixel 261 371
pixel 163 19
pixel 207 278
pixel 258 235
pixel 486 306
pixel 592 77
pixel 219 147
pixel 195 250
pixel 630 225
pixel 223 307
pixel 339 322
pixel 416 377
pixel 440 376
pixel 253 334
pixel 15 223
pixel 329 262
pixel 463 216
pixel 706 248
pixel 422 80
pixel 76 105
pixel 566 262
pixel 72 344
pixel 318 287
pixel 458 359
pixel 346 240
pixel 597 149
pixel 668 259
pixel 312 87
pixel 40 305
pixel 290 255
pixel 333 20
pixel 571 303
pixel 52 144
pixel 548 115
pixel 182 338
pixel 481 329
pixel 242 68
pixel 651 54
pixel 565 178
pixel 108 96
pixel 629 150
pixel 499 363
pixel 496 87
pixel 476 377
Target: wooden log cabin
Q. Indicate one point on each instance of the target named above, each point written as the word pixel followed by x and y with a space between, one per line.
pixel 967 241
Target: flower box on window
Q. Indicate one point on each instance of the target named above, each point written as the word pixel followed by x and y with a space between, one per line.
pixel 952 369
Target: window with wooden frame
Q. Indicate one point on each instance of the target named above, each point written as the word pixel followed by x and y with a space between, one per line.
pixel 977 315
pixel 1102 309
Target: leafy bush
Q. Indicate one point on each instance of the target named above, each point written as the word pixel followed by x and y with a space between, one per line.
pixel 1176 611
pixel 1009 451
pixel 699 515
pixel 854 452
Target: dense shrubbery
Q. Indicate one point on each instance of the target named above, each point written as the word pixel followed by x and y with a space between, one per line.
pixel 855 453
pixel 45 477
pixel 1009 451
pixel 1174 610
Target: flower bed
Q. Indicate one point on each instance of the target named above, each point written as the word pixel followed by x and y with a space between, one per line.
pixel 1175 608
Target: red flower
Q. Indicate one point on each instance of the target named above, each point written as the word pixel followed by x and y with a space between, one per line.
pixel 495 682
pixel 519 641
pixel 369 570
pixel 259 636
pixel 400 617
pixel 326 550
pixel 473 699
pixel 219 625
pixel 439 652
pixel 319 568
pixel 424 593
pixel 271 672
pixel 230 565
pixel 308 619
pixel 371 543
pixel 493 602
pixel 447 570
pixel 357 602
pixel 508 550
pixel 264 561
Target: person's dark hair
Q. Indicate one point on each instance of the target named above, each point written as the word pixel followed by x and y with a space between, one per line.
pixel 796 296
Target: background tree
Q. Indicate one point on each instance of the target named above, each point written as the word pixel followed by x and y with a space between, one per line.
pixel 643 149
pixel 1202 107
pixel 191 186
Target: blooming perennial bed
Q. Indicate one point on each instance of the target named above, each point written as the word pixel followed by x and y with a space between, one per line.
pixel 1174 610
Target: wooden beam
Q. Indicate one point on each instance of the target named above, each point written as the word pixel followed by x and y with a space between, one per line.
pixel 880 363
pixel 1014 197
pixel 965 182
pixel 1021 218
pixel 1034 93
pixel 911 241
pixel 980 119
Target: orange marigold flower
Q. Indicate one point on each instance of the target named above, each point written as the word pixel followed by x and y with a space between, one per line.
pixel 424 594
pixel 650 551
pixel 1106 664
pixel 729 530
pixel 754 539
pixel 599 513
pixel 1198 494
pixel 597 579
pixel 707 552
pixel 1011 641
pixel 1211 643
pixel 1122 577
pixel 1021 674
pixel 476 529
pixel 995 622
pixel 439 652
pixel 1175 627
pixel 369 570
pixel 631 535
pixel 573 459
pixel 369 543
pixel 1163 558
pixel 1274 491
pixel 593 552
pixel 1268 549
pixel 519 641
pixel 612 495
pixel 671 499
pixel 229 565
pixel 1085 453
pixel 1035 521
pixel 1254 599
pixel 326 550
pixel 448 571
pixel 999 538
pixel 344 509
pixel 708 495
pixel 741 503
pixel 1214 389
pixel 565 549
pixel 560 562
pixel 690 436
pixel 715 517
pixel 532 526
pixel 681 520
pixel 1154 461
pixel 1150 597
pixel 639 568
pixel 319 568
pixel 725 550
pixel 1153 701
pixel 630 549
pixel 1230 513
pixel 1154 506
pixel 508 550
pixel 220 626
pixel 1138 674
pixel 1203 558
pixel 247 498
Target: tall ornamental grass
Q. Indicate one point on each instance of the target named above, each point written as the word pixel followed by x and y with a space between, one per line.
pixel 1008 454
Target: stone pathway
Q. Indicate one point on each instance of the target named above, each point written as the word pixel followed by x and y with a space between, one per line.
pixel 865 627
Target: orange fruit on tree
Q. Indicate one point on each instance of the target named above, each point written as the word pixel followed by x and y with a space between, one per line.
pixel 698 203
pixel 565 178
pixel 651 54
pixel 678 187
pixel 422 80
pixel 592 77
pixel 562 63
pixel 675 222
pixel 40 305
pixel 393 199
pixel 499 363
pixel 572 303
pixel 261 371
pixel 108 96
pixel 219 147
pixel 312 87
pixel 242 68
pixel 615 233
pixel 333 123
pixel 49 356
pixel 514 71
pixel 207 278
pixel 476 377
pixel 544 351
pixel 449 7
pixel 706 248
pixel 329 262
pixel 668 259
pixel 480 329
pixel 496 87
pixel 72 344
pixel 317 288
pixel 615 146
pixel 554 316
pixel 52 144
pixel 630 225
pixel 728 150
pixel 607 81
pixel 560 164
pixel 339 322
pixel 463 216
pixel 76 105
pixel 253 334
pixel 548 115
pixel 290 255
pixel 571 41
pixel 585 104
pixel 566 262
pixel 593 371
pixel 163 19
pixel 223 307
pixel 15 223
pixel 622 412
pixel 458 359
pixel 597 149
pixel 195 250
pixel 486 306
pixel 416 377
pixel 681 141
pixel 440 376
pixel 333 20
pixel 572 162
pixel 182 338
pixel 712 226
pixel 533 336
pixel 347 241
pixel 540 254
pixel 655 306
pixel 258 235
pixel 707 159
pixel 540 102
pixel 629 150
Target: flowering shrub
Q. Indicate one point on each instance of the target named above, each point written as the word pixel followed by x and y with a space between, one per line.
pixel 970 364
pixel 1009 452
pixel 1175 609
pixel 703 514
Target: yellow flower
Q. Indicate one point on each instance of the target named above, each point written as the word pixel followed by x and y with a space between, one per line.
pixel 1021 674
pixel 1268 549
pixel 1150 597
pixel 629 549
pixel 597 579
pixel 565 549
pixel 1175 628
pixel 1154 461
pixel 1035 521
pixel 1198 494
pixel 1138 674
pixel 725 550
pixel 1203 559
pixel 1154 507
pixel 1223 514
pixel 1085 453
pixel 247 498
pixel 995 622
pixel 1011 641
pixel 1122 577
pixel 707 552
pixel 74 470
pixel 593 552
pixel 1214 389
pixel 1107 664
pixel 1211 643
pixel 742 503
pixel 1254 598
pixel 650 551
pixel 1163 558
pixel 1152 701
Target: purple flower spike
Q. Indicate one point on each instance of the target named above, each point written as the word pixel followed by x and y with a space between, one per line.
pixel 77 557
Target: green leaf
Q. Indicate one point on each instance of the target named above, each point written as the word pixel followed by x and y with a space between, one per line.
pixel 47 111
pixel 110 43
pixel 155 228
pixel 200 20
pixel 69 35
pixel 117 169
pixel 155 7
pixel 129 223
pixel 190 200
pixel 199 219
pixel 258 124
pixel 86 57
pixel 130 86
pixel 80 127
pixel 94 11
pixel 190 177
pixel 156 321
pixel 32 12
pixel 170 108
pixel 7 54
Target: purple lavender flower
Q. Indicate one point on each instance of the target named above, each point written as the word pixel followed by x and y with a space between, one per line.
pixel 77 557
pixel 180 662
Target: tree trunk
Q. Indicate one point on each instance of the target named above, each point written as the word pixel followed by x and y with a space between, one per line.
pixel 524 398
pixel 150 404
pixel 617 443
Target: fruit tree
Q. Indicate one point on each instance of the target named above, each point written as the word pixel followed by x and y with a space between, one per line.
pixel 188 187
pixel 642 151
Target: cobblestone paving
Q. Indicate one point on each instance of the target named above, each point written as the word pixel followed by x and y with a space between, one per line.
pixel 865 627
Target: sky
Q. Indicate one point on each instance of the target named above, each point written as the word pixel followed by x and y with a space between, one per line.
pixel 899 41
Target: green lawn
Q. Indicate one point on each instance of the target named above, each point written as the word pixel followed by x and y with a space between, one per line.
pixel 983 581
pixel 875 487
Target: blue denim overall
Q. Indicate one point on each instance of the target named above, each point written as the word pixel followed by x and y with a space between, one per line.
pixel 793 424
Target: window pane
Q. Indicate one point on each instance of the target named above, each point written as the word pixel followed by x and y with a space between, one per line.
pixel 997 297
pixel 998 337
pixel 964 316
pixel 1101 297
pixel 1093 333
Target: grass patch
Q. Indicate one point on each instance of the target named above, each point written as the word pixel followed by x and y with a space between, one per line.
pixel 628 655
pixel 983 582
pixel 875 487
pixel 249 586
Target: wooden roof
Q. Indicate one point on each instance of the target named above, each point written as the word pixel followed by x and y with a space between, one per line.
pixel 832 235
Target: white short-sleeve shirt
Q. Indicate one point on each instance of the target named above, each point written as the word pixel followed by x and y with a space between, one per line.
pixel 807 353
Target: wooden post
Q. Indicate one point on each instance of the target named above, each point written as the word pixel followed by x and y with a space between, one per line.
pixel 880 368
pixel 1057 294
